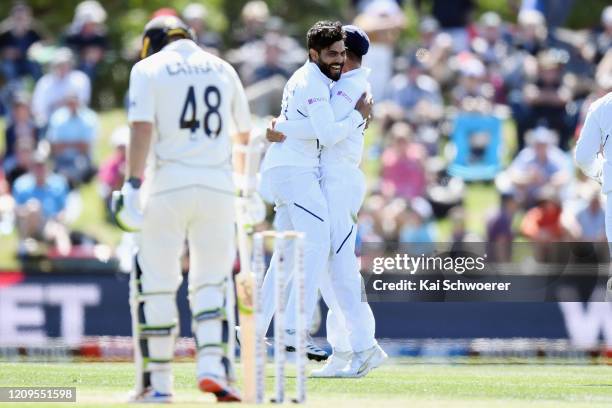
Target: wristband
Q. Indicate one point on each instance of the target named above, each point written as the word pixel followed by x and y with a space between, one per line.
pixel 135 182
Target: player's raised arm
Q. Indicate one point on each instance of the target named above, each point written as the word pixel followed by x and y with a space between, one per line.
pixel 589 144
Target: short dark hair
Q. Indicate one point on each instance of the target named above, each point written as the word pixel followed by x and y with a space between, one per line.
pixel 353 56
pixel 323 34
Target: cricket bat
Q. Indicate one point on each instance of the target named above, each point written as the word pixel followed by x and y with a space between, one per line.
pixel 245 280
pixel 245 291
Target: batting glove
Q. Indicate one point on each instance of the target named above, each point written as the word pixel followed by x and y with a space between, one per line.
pixel 250 210
pixel 125 206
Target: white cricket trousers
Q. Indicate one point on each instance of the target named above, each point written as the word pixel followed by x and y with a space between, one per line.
pixel 608 221
pixel 345 193
pixel 344 188
pixel 205 219
pixel 300 206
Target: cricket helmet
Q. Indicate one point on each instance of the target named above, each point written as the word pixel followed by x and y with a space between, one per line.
pixel 158 31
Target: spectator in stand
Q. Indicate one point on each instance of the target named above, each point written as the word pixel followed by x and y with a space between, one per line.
pixel 195 15
pixel 87 36
pixel 454 17
pixel 532 34
pixel 52 89
pixel 252 54
pixel 112 170
pixel 459 231
pixel 555 11
pixel 266 79
pixel 542 225
pixel 490 44
pixel 545 99
pixel 492 49
pixel 265 65
pixel 272 64
pixel 403 165
pixel 590 219
pixel 20 130
pixel 40 199
pixel 417 227
pixel 17 34
pixel 499 230
pixel 416 92
pixel 383 21
pixel 254 16
pixel 434 50
pixel 24 153
pixel 370 225
pixel 292 52
pixel 542 164
pixel 428 31
pixel 71 133
pixel 473 93
pixel 599 41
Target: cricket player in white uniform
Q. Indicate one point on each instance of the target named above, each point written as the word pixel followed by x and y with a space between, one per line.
pixel 350 323
pixel 593 153
pixel 186 109
pixel 290 170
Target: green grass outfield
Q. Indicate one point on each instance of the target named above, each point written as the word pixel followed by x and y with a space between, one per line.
pixel 393 385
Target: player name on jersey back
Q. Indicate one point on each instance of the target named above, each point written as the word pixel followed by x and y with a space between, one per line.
pixel 184 68
pixel 196 102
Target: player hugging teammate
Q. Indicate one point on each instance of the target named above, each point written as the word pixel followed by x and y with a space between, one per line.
pixel 312 175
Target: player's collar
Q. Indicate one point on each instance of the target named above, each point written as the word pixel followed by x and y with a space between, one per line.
pixel 311 65
pixel 183 43
pixel 357 72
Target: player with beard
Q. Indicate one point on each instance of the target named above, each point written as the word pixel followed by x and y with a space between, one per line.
pixel 290 170
pixel 350 322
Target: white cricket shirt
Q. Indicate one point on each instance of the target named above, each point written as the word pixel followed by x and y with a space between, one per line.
pixel 596 135
pixel 307 96
pixel 196 101
pixel 344 95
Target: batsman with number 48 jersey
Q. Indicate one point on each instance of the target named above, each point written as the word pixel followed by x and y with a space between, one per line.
pixel 186 108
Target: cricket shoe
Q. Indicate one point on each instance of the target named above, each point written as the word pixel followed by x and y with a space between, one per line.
pixel 313 352
pixel 222 390
pixel 335 364
pixel 364 362
pixel 150 396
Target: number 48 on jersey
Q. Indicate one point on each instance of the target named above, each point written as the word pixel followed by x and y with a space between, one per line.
pixel 211 122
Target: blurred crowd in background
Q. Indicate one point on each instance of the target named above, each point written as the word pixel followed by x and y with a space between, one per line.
pixel 471 99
